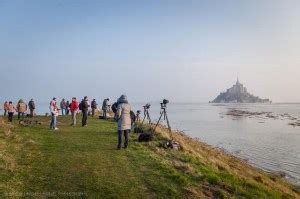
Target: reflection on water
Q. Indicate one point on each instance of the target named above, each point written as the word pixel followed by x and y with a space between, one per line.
pixel 267 143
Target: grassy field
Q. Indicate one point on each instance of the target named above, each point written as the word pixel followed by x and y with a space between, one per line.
pixel 84 163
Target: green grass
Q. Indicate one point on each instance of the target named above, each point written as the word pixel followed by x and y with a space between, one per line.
pixel 84 162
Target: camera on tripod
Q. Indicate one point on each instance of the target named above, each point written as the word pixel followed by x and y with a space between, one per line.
pixel 147 106
pixel 164 103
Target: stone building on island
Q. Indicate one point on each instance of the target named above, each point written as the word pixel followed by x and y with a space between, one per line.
pixel 238 94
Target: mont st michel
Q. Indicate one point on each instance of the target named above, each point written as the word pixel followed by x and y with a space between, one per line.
pixel 238 94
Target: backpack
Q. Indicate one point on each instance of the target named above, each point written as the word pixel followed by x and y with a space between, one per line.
pixel 94 104
pixel 145 137
pixel 114 107
pixel 80 106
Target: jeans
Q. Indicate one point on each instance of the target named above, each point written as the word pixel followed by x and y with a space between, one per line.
pixel 53 121
pixel 10 116
pixel 62 111
pixel 84 117
pixel 20 114
pixel 5 111
pixel 125 132
pixel 73 118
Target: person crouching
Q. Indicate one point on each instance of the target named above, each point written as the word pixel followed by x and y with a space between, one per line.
pixel 124 120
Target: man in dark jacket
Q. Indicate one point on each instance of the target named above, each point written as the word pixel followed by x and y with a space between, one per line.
pixel 31 106
pixel 94 107
pixel 85 108
pixel 67 107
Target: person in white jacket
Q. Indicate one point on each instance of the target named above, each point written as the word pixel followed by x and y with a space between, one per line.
pixel 54 113
pixel 124 120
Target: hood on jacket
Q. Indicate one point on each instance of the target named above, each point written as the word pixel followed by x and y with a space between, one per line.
pixel 123 99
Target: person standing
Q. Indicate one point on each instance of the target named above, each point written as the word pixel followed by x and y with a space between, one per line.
pixel 124 120
pixel 54 113
pixel 5 107
pixel 84 108
pixel 67 107
pixel 31 106
pixel 74 108
pixel 63 106
pixel 105 108
pixel 21 108
pixel 10 109
pixel 94 107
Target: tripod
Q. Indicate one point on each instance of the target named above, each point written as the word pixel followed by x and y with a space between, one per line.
pixel 163 113
pixel 146 114
pixel 138 119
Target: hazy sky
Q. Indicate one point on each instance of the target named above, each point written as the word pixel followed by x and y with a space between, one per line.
pixel 187 51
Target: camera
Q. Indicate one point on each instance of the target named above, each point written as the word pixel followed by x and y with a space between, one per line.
pixel 147 106
pixel 165 101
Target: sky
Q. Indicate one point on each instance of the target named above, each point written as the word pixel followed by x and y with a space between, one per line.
pixel 182 50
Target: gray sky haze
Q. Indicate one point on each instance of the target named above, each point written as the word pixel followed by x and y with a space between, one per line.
pixel 186 51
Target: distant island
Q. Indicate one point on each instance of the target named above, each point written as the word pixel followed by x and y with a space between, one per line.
pixel 238 94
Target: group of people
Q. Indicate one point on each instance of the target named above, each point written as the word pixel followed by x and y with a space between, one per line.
pixel 74 107
pixel 122 113
pixel 21 108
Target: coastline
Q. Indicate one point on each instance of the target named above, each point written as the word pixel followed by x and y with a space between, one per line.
pixel 223 160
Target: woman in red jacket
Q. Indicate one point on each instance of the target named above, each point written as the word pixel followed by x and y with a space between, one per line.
pixel 74 108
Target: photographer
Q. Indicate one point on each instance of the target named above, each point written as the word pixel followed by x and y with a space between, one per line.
pixel 124 120
pixel 105 108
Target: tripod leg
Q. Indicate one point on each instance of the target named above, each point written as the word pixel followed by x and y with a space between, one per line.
pixel 148 117
pixel 169 127
pixel 143 119
pixel 161 114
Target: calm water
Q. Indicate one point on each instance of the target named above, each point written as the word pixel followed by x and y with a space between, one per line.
pixel 272 145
